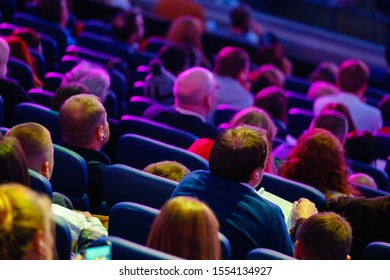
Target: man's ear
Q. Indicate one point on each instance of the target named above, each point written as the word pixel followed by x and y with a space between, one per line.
pixel 100 133
pixel 38 244
pixel 46 170
pixel 298 250
pixel 348 257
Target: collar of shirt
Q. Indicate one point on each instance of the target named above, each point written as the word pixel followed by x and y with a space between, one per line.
pixel 191 113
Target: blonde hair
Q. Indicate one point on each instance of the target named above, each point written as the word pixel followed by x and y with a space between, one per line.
pixel 172 170
pixel 23 213
pixel 188 228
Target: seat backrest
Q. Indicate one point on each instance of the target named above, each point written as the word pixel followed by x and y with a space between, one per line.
pixel 139 151
pixel 124 183
pixel 52 81
pixel 29 112
pixel 40 184
pixel 371 192
pixel 377 251
pixel 383 144
pixel 97 26
pixel 1 110
pixel 21 72
pixel 381 178
pixel 126 250
pixel 41 96
pixel 63 238
pixel 40 62
pixel 70 176
pixel 138 104
pixel 291 190
pixel 133 221
pixel 223 114
pixel 266 254
pixel 297 84
pixel 156 131
pixel 298 120
pixel 298 100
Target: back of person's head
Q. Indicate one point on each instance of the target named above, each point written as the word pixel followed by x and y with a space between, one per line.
pixel 188 228
pixel 321 88
pixel 361 146
pixel 186 29
pixel 325 71
pixel 384 106
pixel 172 170
pixel 128 26
pixel 318 161
pixel 240 17
pixel 4 56
pixel 30 36
pixel 333 121
pixel 265 76
pixel 66 91
pixel 95 78
pixel 274 101
pixel 195 89
pixel 324 236
pixel 237 152
pixel 357 179
pixel 338 107
pixel 37 146
pixel 13 162
pixel 174 58
pixel 232 62
pixel 353 76
pixel 159 83
pixel 25 222
pixel 272 53
pixel 256 117
pixel 56 11
pixel 83 120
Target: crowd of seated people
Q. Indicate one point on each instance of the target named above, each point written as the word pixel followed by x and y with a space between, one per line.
pixel 238 152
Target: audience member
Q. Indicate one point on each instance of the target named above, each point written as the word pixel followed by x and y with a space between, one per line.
pixel 274 101
pixel 361 146
pixel 352 81
pixel 186 227
pixel 11 92
pixel 174 58
pixel 237 162
pixel 30 36
pixel 26 226
pixel 66 91
pixel 172 9
pixel 342 109
pixel 265 76
pixel 242 24
pixel 187 31
pixel 128 27
pixel 195 93
pixel 318 161
pixel 323 236
pixel 231 71
pixel 362 179
pixel 273 53
pixel 384 107
pixel 321 88
pixel 168 169
pixel 84 127
pixel 325 71
pixel 19 50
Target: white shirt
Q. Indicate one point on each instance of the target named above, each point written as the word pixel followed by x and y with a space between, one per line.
pixel 364 116
pixel 232 93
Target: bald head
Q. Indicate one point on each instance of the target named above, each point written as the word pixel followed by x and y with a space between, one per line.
pixel 333 121
pixel 4 55
pixel 195 90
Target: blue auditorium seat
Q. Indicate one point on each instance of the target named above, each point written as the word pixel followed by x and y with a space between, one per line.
pixel 97 26
pixel 138 104
pixel 291 190
pixel 21 72
pixel 29 112
pixel 124 183
pixel 296 84
pixel 125 215
pixel 41 96
pixel 126 250
pixel 266 254
pixel 40 62
pixel 371 192
pixel 298 100
pixel 223 113
pixel 52 81
pixel 70 177
pixel 381 178
pixel 63 239
pixel 298 120
pixel 377 251
pixel 383 144
pixel 156 131
pixel 139 151
pixel 40 184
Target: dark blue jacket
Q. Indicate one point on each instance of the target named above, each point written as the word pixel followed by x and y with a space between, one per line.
pixel 246 219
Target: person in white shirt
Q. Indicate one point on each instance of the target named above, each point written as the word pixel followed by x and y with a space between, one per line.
pixel 352 81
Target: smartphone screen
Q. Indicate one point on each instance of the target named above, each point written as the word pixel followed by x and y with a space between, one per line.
pixel 101 252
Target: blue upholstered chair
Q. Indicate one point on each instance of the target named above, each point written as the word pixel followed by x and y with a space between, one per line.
pixel 291 190
pixel 297 84
pixel 142 216
pixel 298 100
pixel 63 239
pixel 381 178
pixel 29 112
pixel 156 131
pixel 52 81
pixel 383 141
pixel 126 250
pixel 21 72
pixel 41 96
pixel 138 104
pixel 223 113
pixel 371 192
pixel 377 251
pixel 298 120
pixel 70 177
pixel 97 27
pixel 139 151
pixel 40 184
pixel 124 183
pixel 266 254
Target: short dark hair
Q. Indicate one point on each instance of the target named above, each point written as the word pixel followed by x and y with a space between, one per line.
pixel 239 16
pixel 64 92
pixel 231 61
pixel 353 75
pixel 325 236
pixel 124 24
pixel 239 151
pixel 384 106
